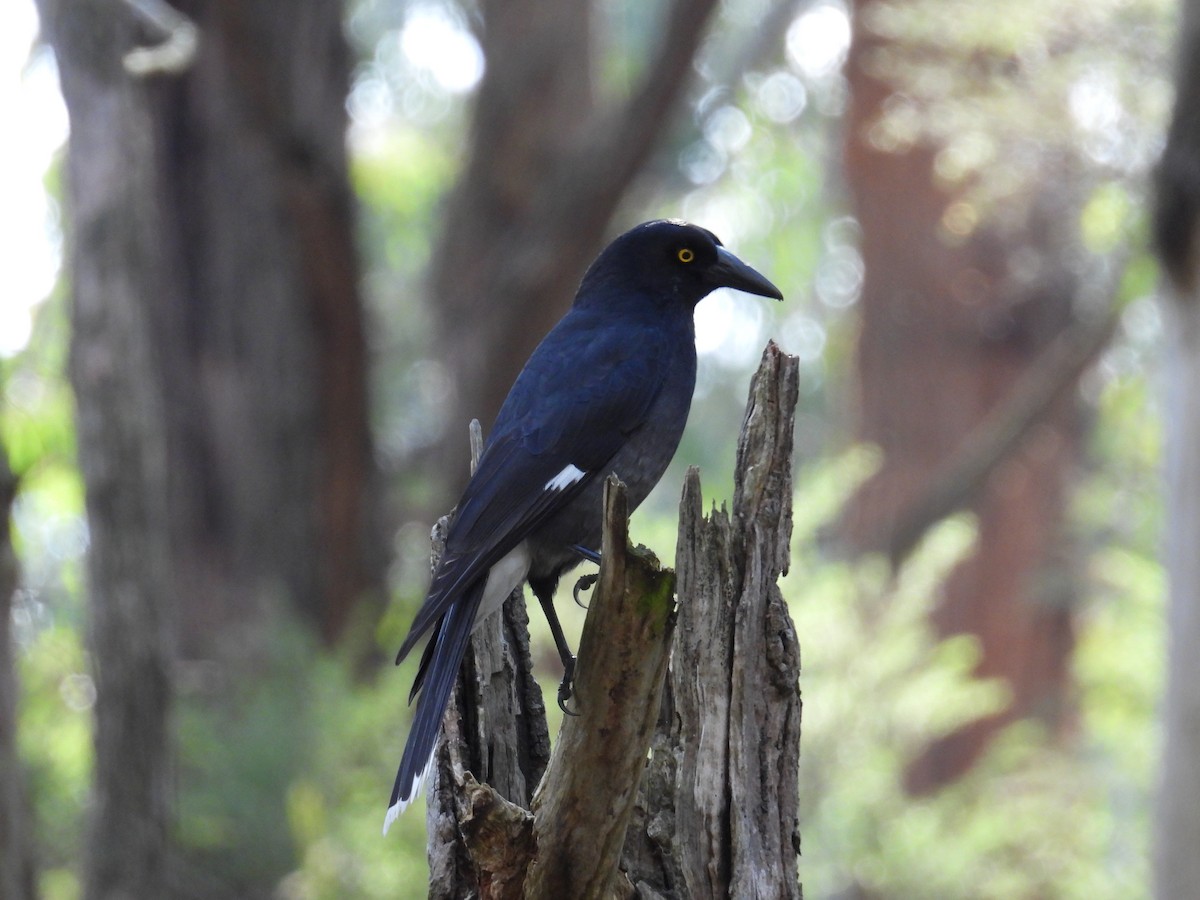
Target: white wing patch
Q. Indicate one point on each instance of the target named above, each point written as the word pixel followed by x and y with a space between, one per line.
pixel 564 479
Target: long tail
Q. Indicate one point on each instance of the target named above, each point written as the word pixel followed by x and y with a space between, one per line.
pixel 451 637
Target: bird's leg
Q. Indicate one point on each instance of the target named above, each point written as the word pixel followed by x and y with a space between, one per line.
pixel 546 598
pixel 586 582
pixel 592 556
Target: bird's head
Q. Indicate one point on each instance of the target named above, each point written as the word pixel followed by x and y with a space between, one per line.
pixel 669 260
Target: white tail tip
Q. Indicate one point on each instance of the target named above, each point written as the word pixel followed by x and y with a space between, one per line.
pixel 400 806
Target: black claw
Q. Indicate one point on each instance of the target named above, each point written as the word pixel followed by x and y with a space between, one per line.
pixel 584 583
pixel 567 687
pixel 562 704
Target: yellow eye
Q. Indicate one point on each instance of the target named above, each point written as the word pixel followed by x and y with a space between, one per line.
pixel 685 255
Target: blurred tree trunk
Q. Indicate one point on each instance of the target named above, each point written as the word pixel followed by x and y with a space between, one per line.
pixel 548 164
pixel 949 325
pixel 264 356
pixel 117 268
pixel 255 320
pixel 17 868
pixel 1177 225
pixel 218 364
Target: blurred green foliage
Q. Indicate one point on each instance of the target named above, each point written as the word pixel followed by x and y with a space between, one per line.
pixel 1028 821
pixel 1031 819
pixel 54 738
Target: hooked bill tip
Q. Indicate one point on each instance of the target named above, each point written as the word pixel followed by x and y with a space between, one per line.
pixel 731 272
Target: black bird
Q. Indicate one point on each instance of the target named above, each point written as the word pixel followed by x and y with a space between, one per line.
pixel 607 390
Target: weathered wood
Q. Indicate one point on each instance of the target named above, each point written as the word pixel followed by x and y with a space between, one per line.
pixel 494 731
pixel 715 813
pixel 717 817
pixel 480 844
pixel 584 803
pixel 765 705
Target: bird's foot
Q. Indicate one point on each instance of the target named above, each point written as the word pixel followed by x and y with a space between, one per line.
pixel 567 687
pixel 585 583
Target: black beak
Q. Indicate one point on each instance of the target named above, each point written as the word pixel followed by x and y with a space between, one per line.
pixel 731 272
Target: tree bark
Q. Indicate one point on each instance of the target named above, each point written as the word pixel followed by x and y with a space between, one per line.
pixel 947 334
pixel 265 375
pixel 117 271
pixel 494 730
pixel 217 359
pixel 259 358
pixel 583 805
pixel 1177 225
pixel 717 816
pixel 481 843
pixel 716 811
pixel 546 168
pixel 17 864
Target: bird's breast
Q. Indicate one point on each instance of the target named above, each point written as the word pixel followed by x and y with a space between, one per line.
pixel 639 463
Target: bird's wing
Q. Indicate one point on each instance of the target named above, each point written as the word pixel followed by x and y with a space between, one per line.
pixel 580 396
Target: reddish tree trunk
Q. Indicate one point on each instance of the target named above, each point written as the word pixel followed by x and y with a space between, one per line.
pixel 946 333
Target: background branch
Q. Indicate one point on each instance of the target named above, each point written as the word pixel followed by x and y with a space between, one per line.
pixel 616 144
pixel 997 436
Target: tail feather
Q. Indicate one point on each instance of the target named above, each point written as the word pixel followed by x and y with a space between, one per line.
pixel 423 666
pixel 502 579
pixel 453 633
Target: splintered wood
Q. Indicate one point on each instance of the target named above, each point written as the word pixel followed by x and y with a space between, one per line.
pixel 675 780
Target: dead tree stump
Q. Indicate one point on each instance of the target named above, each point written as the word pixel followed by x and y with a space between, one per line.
pixel 674 782
pixel 717 816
